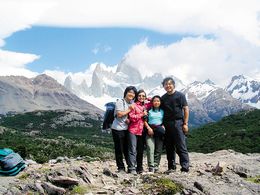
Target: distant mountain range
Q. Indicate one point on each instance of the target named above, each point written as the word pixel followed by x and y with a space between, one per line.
pixel 207 101
pixel 20 94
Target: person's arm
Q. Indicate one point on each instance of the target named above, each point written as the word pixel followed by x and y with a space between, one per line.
pixel 185 127
pixel 149 129
pixel 123 113
pixel 120 109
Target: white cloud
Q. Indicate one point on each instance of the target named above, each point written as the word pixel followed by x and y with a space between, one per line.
pixel 197 58
pixel 238 17
pixel 58 75
pixel 101 48
pixel 18 15
pixel 12 63
pixel 107 48
pixel 234 23
pixel 78 77
pixel 95 50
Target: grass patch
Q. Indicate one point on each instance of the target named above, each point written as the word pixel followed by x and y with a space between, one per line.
pixel 167 186
pixel 80 189
pixel 154 185
pixel 255 179
pixel 23 176
pixel 44 170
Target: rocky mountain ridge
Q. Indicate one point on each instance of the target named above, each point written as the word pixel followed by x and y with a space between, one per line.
pixel 21 94
pixel 221 172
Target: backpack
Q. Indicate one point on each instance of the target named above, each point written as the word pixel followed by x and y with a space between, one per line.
pixel 4 152
pixel 110 114
pixel 11 163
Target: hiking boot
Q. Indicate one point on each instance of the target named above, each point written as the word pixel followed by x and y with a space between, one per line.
pixel 133 172
pixel 172 167
pixel 121 171
pixel 151 170
pixel 140 170
pixel 169 171
pixel 156 170
pixel 183 169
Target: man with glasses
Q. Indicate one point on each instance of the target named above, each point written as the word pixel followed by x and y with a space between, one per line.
pixel 176 115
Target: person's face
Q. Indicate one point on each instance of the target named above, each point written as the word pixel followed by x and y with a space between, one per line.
pixel 156 102
pixel 130 95
pixel 141 97
pixel 168 86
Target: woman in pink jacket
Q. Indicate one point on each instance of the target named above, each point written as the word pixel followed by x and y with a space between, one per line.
pixel 135 138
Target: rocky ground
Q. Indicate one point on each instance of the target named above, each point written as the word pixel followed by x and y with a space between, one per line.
pixel 221 172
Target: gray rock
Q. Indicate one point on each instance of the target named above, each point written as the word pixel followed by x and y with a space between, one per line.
pixel 39 188
pixel 85 174
pixel 52 189
pixel 14 190
pixel 199 186
pixel 109 173
pixel 241 171
pixel 64 181
pixel 197 181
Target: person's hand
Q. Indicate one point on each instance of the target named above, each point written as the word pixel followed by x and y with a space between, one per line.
pixel 150 131
pixel 145 113
pixel 131 107
pixel 185 129
pixel 127 121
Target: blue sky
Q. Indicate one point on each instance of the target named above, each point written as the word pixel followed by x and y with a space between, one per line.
pixel 192 40
pixel 74 49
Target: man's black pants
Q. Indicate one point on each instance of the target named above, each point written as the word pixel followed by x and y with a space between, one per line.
pixel 175 140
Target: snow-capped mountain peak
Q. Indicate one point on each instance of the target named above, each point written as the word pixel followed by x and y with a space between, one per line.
pixel 246 89
pixel 209 82
pixel 202 89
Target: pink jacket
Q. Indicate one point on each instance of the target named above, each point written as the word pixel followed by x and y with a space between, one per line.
pixel 136 121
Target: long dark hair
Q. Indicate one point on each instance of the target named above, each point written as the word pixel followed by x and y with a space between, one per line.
pixel 156 96
pixel 138 92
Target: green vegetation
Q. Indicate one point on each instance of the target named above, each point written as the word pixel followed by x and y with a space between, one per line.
pixel 153 184
pixel 240 132
pixel 167 186
pixel 255 179
pixel 23 176
pixel 80 190
pixel 34 136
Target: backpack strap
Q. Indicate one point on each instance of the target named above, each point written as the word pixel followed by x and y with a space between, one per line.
pixel 123 102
